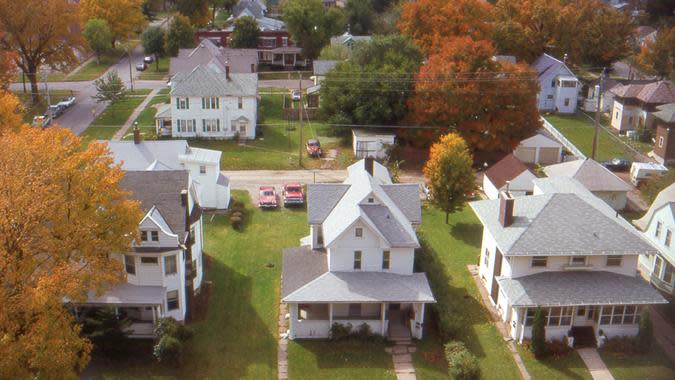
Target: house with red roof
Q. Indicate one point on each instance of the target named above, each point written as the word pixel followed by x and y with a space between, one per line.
pixel 509 174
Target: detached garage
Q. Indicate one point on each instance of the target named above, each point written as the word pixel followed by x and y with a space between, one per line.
pixel 508 174
pixel 372 143
pixel 539 149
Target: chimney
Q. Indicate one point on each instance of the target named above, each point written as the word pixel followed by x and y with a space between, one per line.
pixel 137 135
pixel 183 198
pixel 368 162
pixel 227 72
pixel 505 209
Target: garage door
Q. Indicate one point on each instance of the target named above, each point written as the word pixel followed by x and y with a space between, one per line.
pixel 525 155
pixel 548 156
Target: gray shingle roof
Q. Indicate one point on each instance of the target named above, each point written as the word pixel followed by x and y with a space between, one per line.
pixel 364 287
pixel 666 112
pixel 389 226
pixel 128 294
pixel 591 174
pixel 161 189
pixel 559 224
pixel 321 199
pixel 210 81
pixel 546 63
pixel 301 265
pixel 322 67
pixel 239 60
pixel 578 288
pixel 407 198
pixel 147 154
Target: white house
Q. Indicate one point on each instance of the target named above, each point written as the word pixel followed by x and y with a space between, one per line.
pixel 356 266
pixel 509 173
pixel 372 143
pixel 568 253
pixel 595 177
pixel 658 225
pixel 558 86
pixel 164 268
pixel 635 104
pixel 212 188
pixel 211 103
pixel 539 149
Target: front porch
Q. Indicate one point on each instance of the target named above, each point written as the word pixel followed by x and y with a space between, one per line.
pixel 142 318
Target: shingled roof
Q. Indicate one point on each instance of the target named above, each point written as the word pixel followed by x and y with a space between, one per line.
pixel 591 174
pixel 505 170
pixel 660 92
pixel 211 81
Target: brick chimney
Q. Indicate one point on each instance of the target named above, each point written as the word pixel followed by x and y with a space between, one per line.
pixel 227 72
pixel 506 203
pixel 368 163
pixel 137 136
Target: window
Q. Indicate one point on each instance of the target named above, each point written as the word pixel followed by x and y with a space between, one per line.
pixel 606 315
pixel 284 41
pixel 554 316
pixel 202 169
pixel 359 232
pixel 616 115
pixel 210 125
pixel 172 300
pixel 170 265
pixel 657 266
pixel 130 264
pixel 614 261
pixel 549 97
pixel 567 102
pixel 578 261
pixel 553 83
pixel 186 125
pixel 657 230
pixel 154 235
pixel 192 235
pixel 581 311
pixel 486 257
pixel 668 274
pixel 660 141
pixel 182 103
pixel 211 103
pixel 386 258
pixel 149 260
pixel 669 237
pixel 354 309
pixel 371 200
pixel 529 316
pixel 617 315
pixel 357 260
pixel 539 261
pixel 240 102
pixel 144 235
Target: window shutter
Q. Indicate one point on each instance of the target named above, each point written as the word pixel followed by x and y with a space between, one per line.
pixel 203 125
pixel 217 103
pixel 194 125
pixel 187 103
pixel 203 103
pixel 218 125
pixel 177 103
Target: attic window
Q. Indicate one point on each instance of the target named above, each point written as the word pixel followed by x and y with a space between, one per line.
pixel 202 169
pixel 359 232
pixel 371 200
pixel 154 235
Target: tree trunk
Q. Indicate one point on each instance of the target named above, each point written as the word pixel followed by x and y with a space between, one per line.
pixel 213 17
pixel 156 63
pixel 34 90
pixel 447 215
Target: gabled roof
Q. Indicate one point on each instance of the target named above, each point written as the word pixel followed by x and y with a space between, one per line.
pixel 666 113
pixel 211 81
pixel 560 224
pixel 541 141
pixel 322 67
pixel 206 52
pixel 507 169
pixel 644 30
pixel 665 198
pixel 254 8
pixel 591 174
pixel 348 37
pixel 321 199
pixel 660 92
pixel 547 64
pixel 148 155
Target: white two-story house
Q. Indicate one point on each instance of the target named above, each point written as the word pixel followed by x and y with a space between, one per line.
pixel 566 251
pixel 164 268
pixel 209 102
pixel 558 86
pixel 356 266
pixel 658 225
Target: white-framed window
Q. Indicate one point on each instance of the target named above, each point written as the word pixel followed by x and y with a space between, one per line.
pixel 284 41
pixel 553 83
pixel 658 262
pixel 130 264
pixel 233 127
pixel 144 235
pixel 486 257
pixel 149 260
pixel 186 125
pixel 539 261
pixel 386 259
pixel 529 316
pixel 549 97
pixel 567 102
pixel 559 316
pixel 660 141
pixel 578 261
pixel 668 273
pixel 657 230
pixel 154 235
pixel 354 309
pixel 211 103
pixel 210 125
pixel 172 300
pixel 614 260
pixel 183 103
pixel 358 232
pixel 669 237
pixel 202 169
pixel 357 260
pixel 620 315
pixel 240 102
pixel 170 265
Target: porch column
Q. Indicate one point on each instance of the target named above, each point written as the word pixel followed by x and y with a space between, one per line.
pixel 421 319
pixel 522 326
pixel 293 319
pixel 154 316
pixel 516 312
pixel 382 310
pixel 330 315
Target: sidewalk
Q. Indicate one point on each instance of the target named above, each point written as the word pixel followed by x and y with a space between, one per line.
pixel 134 115
pixel 594 363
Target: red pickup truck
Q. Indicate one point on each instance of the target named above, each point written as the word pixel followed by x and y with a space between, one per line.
pixel 293 195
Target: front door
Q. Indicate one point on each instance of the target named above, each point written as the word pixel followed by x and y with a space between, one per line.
pixel 583 316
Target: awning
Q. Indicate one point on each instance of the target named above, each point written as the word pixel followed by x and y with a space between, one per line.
pixel 128 294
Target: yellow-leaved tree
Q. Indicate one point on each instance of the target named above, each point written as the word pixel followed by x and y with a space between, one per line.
pixel 63 214
pixel 124 17
pixel 10 111
pixel 449 173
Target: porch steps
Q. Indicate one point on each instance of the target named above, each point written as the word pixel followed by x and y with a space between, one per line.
pixel 584 336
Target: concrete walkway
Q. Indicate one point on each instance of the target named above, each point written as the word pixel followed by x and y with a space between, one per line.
pixel 282 346
pixel 134 115
pixel 594 363
pixel 403 364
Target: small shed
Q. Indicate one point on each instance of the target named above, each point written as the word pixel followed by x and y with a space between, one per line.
pixel 372 143
pixel 508 171
pixel 539 149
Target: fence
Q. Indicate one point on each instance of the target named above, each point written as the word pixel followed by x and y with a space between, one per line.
pixel 563 140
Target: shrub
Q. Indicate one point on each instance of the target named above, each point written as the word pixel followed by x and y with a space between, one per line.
pixel 169 350
pixel 339 331
pixel 620 345
pixel 558 348
pixel 644 338
pixel 171 327
pixel 364 332
pixel 236 221
pixel 236 205
pixel 539 334
pixel 462 365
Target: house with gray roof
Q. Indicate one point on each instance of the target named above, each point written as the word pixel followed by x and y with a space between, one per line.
pixel 558 86
pixel 163 269
pixel 595 177
pixel 563 250
pixel 356 265
pixel 208 52
pixel 635 104
pixel 211 102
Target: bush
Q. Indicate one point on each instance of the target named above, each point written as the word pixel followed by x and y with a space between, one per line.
pixel 339 331
pixel 538 347
pixel 169 350
pixel 643 340
pixel 558 348
pixel 236 221
pixel 236 205
pixel 364 332
pixel 462 365
pixel 171 327
pixel 620 345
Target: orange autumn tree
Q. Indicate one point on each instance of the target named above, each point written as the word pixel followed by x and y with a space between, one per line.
pixel 10 111
pixel 429 22
pixel 449 173
pixel 492 105
pixel 7 67
pixel 124 17
pixel 63 214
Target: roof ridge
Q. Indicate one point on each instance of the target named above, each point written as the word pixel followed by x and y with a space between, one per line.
pixel 548 203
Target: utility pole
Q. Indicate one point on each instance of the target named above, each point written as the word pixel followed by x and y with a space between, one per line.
pixel 131 75
pixel 49 100
pixel 597 113
pixel 300 115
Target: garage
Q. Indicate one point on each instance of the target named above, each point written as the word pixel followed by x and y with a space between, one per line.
pixel 548 156
pixel 539 149
pixel 527 155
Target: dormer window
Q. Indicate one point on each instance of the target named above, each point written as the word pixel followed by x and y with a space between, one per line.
pixel 144 235
pixel 371 200
pixel 202 169
pixel 154 235
pixel 386 260
pixel 358 232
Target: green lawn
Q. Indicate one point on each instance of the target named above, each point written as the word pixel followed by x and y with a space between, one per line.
pixel 151 73
pixel 114 116
pixel 651 366
pixel 579 130
pixel 93 70
pixel 146 120
pixel 568 367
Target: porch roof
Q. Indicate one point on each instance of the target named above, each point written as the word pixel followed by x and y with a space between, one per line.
pixel 578 288
pixel 128 294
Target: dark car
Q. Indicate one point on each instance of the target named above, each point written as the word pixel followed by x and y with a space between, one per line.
pixel 617 165
pixel 313 148
pixel 56 110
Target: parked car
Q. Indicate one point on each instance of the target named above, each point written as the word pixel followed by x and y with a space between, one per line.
pixel 313 148
pixel 643 171
pixel 617 165
pixel 141 66
pixel 56 110
pixel 149 59
pixel 67 102
pixel 296 95
pixel 267 197
pixel 42 121
pixel 293 195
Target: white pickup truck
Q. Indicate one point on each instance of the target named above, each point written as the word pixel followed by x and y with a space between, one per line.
pixel 67 102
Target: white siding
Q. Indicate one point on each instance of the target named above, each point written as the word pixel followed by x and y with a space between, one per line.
pixel 227 113
pixel 522 265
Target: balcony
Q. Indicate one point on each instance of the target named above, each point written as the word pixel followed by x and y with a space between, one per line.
pixel 666 287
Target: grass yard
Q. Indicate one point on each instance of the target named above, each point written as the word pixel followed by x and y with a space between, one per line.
pixel 151 72
pixel 567 367
pixel 114 116
pixel 146 120
pixel 93 70
pixel 651 366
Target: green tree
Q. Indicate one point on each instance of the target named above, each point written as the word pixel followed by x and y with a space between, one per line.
pixel 360 16
pixel 196 10
pixel 223 4
pixel 246 33
pixel 538 346
pixel 180 35
pixel 337 52
pixel 449 173
pixel 152 40
pixel 658 56
pixel 650 189
pixel 98 35
pixel 372 87
pixel 109 88
pixel 310 25
pixel 643 341
pixel 106 330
